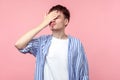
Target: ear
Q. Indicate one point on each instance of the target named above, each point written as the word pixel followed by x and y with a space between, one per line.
pixel 66 21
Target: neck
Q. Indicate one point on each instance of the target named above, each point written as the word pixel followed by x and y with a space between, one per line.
pixel 59 34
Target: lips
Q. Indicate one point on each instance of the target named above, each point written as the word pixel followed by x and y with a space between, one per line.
pixel 52 24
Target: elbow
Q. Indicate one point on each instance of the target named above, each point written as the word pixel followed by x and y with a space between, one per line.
pixel 18 46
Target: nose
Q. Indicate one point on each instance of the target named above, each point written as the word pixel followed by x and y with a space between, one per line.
pixel 53 21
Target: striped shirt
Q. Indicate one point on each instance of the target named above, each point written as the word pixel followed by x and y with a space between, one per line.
pixel 77 61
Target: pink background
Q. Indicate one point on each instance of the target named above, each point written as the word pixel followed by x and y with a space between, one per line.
pixel 95 22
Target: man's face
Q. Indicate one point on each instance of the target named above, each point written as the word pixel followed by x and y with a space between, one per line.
pixel 59 23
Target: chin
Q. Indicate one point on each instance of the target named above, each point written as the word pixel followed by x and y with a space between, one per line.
pixel 53 29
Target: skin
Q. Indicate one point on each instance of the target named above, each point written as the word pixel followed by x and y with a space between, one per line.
pixel 56 22
pixel 59 25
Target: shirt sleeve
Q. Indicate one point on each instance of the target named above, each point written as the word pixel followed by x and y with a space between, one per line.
pixel 32 47
pixel 84 68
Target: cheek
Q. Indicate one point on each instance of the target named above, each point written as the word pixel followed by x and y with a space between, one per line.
pixel 60 21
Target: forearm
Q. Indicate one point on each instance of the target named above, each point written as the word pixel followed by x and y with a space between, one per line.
pixel 23 41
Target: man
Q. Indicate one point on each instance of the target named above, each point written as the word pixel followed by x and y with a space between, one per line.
pixel 58 56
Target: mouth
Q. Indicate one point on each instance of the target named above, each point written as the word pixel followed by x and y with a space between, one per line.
pixel 52 24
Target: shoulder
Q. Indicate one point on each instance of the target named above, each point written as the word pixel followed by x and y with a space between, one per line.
pixel 74 39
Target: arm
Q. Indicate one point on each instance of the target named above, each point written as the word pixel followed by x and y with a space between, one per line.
pixel 84 69
pixel 26 38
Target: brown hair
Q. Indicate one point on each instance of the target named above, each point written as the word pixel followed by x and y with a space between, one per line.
pixel 63 9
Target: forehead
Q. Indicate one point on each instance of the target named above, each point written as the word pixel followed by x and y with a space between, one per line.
pixel 60 14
